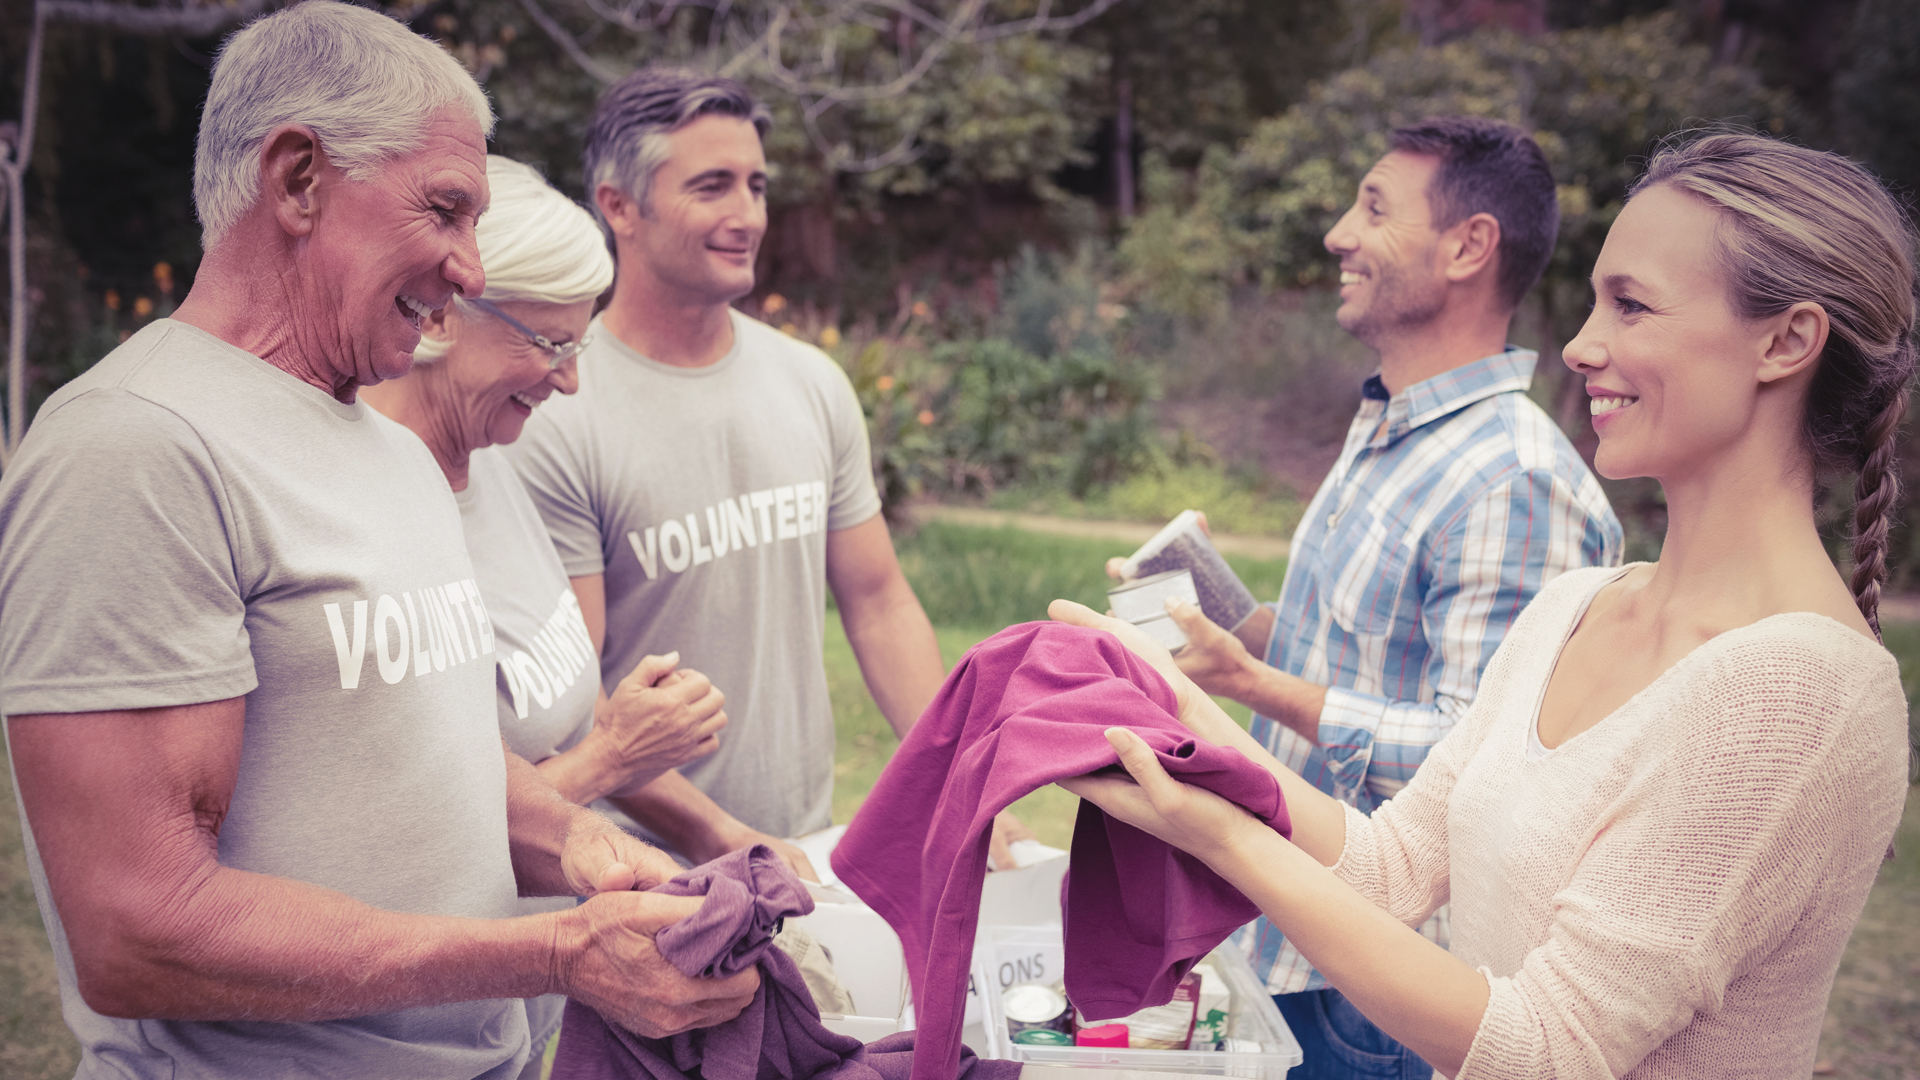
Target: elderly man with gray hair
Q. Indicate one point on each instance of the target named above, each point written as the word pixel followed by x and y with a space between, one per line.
pixel 248 675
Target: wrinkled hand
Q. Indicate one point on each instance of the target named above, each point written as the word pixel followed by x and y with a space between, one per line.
pixel 622 975
pixel 1006 830
pixel 600 857
pixel 1214 659
pixel 659 718
pixel 1190 818
pixel 742 837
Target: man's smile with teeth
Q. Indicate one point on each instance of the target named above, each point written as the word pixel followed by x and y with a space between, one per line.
pixel 523 399
pixel 1348 277
pixel 415 311
pixel 1602 405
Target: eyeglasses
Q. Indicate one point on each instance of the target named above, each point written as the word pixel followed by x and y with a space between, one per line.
pixel 556 354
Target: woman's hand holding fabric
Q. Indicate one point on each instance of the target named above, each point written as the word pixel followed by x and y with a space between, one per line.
pixel 1190 818
pixel 1197 711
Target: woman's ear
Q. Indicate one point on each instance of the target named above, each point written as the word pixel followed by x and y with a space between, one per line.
pixel 1795 339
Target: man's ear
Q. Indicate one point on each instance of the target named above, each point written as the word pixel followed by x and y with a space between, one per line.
pixel 619 209
pixel 291 164
pixel 1795 339
pixel 1470 247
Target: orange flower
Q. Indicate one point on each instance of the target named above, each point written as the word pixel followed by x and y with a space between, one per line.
pixel 142 307
pixel 773 304
pixel 926 417
pixel 113 300
pixel 883 384
pixel 921 310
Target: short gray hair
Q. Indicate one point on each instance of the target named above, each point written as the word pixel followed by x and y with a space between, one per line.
pixel 362 81
pixel 535 245
pixel 627 139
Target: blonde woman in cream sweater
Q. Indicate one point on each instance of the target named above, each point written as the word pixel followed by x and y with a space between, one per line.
pixel 1660 819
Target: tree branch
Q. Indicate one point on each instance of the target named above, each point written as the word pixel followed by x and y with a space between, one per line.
pixel 600 72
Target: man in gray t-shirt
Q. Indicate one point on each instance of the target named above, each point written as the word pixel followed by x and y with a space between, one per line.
pixel 246 672
pixel 712 477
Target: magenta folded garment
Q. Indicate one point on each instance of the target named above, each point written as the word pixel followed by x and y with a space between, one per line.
pixel 779 1036
pixel 1023 709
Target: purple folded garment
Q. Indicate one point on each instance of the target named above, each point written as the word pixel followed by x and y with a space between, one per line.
pixel 1025 708
pixel 779 1036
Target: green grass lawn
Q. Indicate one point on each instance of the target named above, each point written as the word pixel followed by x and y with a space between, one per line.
pixel 974 582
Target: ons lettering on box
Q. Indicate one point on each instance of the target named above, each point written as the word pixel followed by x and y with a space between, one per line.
pixel 759 517
pixel 429 630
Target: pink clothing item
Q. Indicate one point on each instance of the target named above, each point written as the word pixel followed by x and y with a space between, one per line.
pixel 1668 893
pixel 779 1036
pixel 1023 709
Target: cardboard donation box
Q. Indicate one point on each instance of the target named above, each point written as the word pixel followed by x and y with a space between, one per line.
pixel 1232 1027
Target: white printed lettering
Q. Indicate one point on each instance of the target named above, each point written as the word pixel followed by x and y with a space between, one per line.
pixel 675 550
pixel 701 552
pixel 457 597
pixel 449 636
pixel 576 623
pixel 717 531
pixel 516 690
pixel 479 615
pixel 819 506
pixel 762 500
pixel 352 654
pixel 803 508
pixel 422 656
pixel 393 664
pixel 783 513
pixel 534 678
pixel 648 553
pixel 739 514
pixel 552 661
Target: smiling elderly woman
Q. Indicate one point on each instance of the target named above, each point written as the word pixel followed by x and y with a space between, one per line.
pixel 483 365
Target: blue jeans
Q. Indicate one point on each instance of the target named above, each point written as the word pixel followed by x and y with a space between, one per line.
pixel 1342 1044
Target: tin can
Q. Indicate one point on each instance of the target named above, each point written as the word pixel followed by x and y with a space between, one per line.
pixel 1043 1037
pixel 1035 1007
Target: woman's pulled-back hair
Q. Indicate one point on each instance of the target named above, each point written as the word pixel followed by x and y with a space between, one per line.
pixel 1802 225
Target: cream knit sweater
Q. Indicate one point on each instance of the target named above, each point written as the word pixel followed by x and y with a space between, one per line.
pixel 1667 894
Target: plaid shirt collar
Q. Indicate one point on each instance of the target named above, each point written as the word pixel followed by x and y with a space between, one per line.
pixel 1446 393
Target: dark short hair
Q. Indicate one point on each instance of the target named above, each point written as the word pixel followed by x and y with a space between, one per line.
pixel 1491 167
pixel 626 140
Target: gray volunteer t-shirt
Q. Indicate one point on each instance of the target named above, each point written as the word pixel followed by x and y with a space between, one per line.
pixel 547 679
pixel 705 496
pixel 187 523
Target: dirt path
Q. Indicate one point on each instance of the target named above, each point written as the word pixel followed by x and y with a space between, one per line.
pixel 1254 547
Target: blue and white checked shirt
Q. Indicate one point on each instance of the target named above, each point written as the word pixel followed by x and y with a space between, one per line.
pixel 1452 504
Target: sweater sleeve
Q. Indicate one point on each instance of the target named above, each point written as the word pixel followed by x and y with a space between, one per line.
pixel 1749 830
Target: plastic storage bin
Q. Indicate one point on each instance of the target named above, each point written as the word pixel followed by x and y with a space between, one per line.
pixel 1255 1019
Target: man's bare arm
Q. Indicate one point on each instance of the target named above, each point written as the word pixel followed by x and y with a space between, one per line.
pixel 126 809
pixel 885 623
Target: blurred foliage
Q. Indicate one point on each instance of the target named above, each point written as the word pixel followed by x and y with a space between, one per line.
pixel 998 111
pixel 1596 100
pixel 1037 394
pixel 1877 93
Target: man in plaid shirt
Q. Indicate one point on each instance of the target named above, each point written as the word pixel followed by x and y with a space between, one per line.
pixel 1455 499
